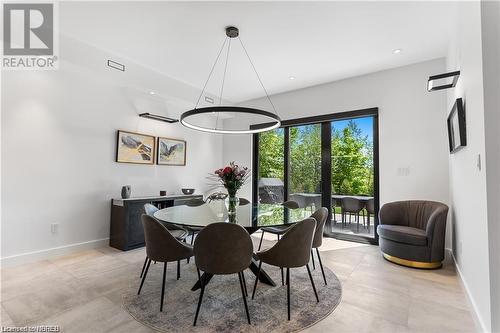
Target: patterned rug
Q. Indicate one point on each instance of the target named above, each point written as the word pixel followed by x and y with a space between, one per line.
pixel 222 309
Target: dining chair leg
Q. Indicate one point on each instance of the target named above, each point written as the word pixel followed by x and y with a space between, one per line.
pixel 288 291
pixel 199 275
pixel 199 301
pixel 312 258
pixel 244 283
pixel 312 282
pixel 144 267
pixel 144 276
pixel 278 236
pixel 191 242
pixel 243 294
pixel 178 269
pixel 163 285
pixel 256 279
pixel 282 276
pixel 261 238
pixel 357 222
pixel 321 265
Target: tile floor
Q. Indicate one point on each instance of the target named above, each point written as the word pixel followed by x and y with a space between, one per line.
pixel 82 293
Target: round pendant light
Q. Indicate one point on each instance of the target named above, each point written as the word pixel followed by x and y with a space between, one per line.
pixel 225 119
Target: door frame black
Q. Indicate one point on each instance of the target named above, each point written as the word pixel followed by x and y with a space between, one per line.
pixel 325 122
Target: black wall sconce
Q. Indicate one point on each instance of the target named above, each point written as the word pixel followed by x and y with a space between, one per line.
pixel 158 117
pixel 442 81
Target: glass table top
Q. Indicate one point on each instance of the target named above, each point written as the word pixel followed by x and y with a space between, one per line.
pixel 248 216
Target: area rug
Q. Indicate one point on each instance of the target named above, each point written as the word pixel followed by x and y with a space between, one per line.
pixel 222 309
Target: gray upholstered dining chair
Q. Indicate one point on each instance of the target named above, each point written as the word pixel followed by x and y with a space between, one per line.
pixel 176 231
pixel 320 215
pixel 370 210
pixel 192 231
pixel 244 201
pixel 291 251
pixel 278 230
pixel 351 206
pixel 161 246
pixel 223 248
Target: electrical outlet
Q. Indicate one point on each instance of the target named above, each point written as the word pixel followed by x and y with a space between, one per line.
pixel 54 228
pixel 404 171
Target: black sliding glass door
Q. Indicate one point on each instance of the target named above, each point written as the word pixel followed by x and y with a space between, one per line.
pixel 329 161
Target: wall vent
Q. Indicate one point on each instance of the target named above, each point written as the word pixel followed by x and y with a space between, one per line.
pixel 116 65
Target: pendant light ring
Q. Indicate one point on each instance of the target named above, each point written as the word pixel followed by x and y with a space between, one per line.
pixel 274 119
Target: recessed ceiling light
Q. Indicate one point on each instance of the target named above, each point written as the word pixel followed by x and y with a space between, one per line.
pixel 396 51
pixel 291 77
pixel 152 93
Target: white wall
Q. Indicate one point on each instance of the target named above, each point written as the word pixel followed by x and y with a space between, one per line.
pixel 467 181
pixel 59 140
pixel 490 33
pixel 412 126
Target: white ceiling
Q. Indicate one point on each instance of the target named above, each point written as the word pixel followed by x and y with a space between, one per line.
pixel 316 42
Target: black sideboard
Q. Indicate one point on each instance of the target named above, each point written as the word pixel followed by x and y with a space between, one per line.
pixel 126 226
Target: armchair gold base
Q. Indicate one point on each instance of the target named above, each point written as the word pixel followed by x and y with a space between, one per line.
pixel 413 264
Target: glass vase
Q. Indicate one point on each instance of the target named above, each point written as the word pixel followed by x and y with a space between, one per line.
pixel 232 203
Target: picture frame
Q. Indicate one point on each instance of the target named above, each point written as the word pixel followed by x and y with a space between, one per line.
pixel 135 148
pixel 457 138
pixel 171 152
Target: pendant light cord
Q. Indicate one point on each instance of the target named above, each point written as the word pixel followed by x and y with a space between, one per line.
pixel 223 81
pixel 211 71
pixel 258 77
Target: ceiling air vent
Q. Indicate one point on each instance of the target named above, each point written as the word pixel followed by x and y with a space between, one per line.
pixel 116 65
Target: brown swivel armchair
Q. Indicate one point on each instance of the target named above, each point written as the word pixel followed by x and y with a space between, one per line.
pixel 161 246
pixel 412 233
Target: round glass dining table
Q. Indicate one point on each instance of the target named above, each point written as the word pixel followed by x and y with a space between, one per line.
pixel 251 217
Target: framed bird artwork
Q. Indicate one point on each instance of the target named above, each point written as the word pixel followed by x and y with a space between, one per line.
pixel 171 152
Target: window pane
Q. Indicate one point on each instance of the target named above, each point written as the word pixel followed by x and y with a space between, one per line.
pixel 271 167
pixel 352 175
pixel 305 166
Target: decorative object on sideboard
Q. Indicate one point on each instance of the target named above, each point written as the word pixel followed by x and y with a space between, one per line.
pixel 171 152
pixel 135 148
pixel 443 81
pixel 163 193
pixel 216 196
pixel 457 131
pixel 158 117
pixel 187 191
pixel 248 120
pixel 126 191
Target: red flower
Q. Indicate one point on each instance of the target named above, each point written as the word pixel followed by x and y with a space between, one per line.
pixel 227 170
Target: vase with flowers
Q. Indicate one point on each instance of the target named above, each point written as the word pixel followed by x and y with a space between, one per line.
pixel 232 177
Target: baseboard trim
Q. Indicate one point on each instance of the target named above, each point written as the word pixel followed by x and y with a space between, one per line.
pixel 475 313
pixel 28 257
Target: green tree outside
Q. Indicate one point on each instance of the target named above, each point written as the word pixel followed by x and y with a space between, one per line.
pixel 352 159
